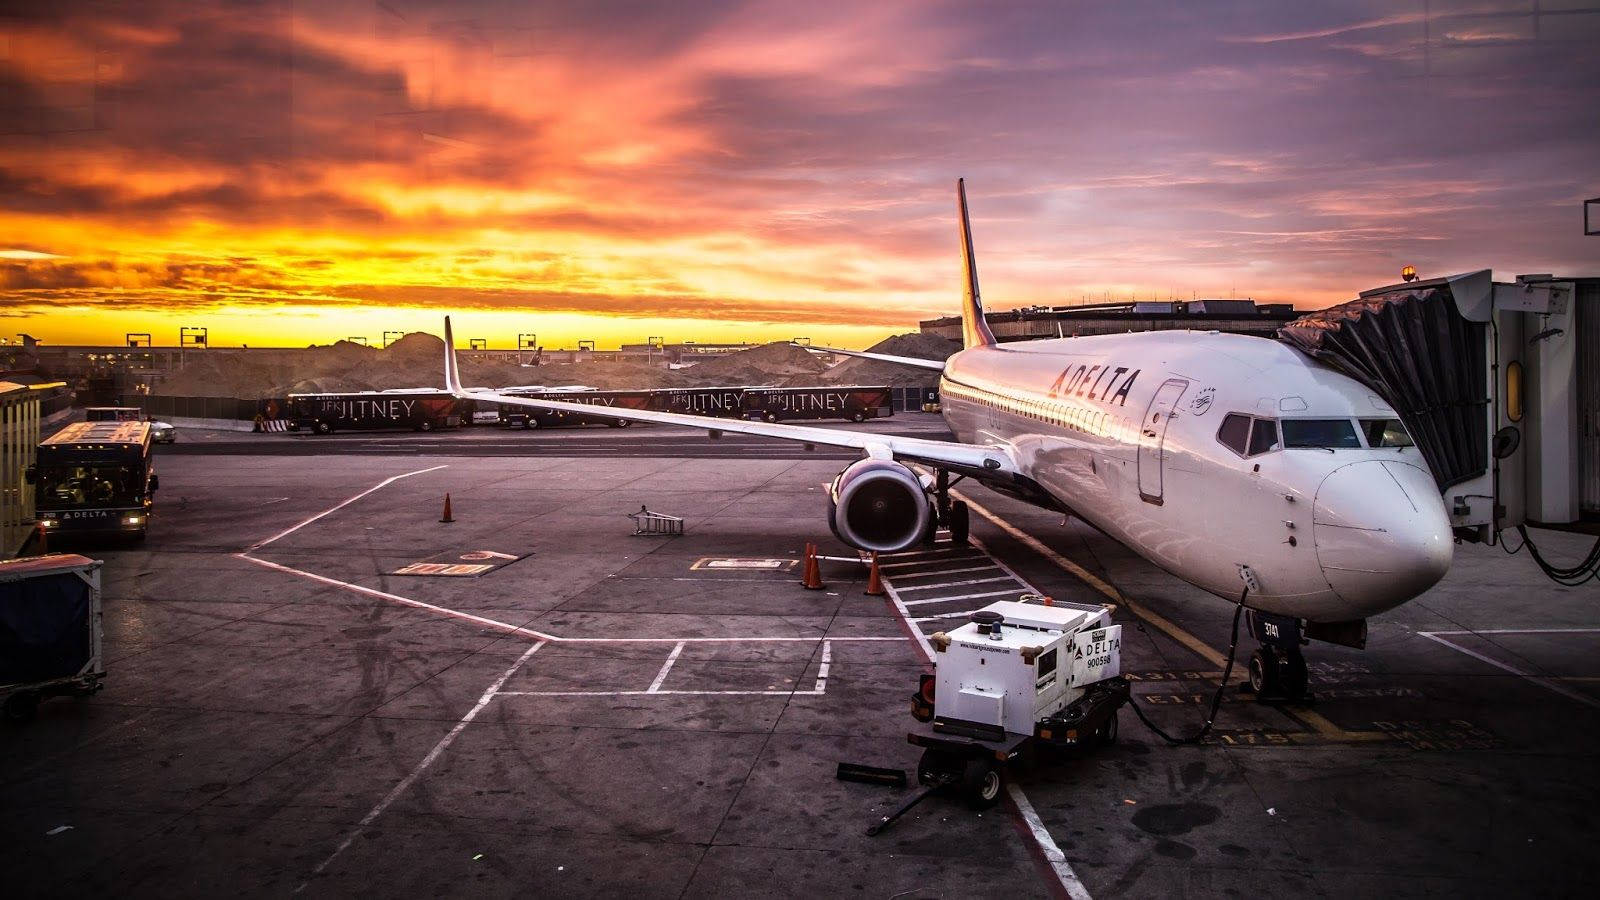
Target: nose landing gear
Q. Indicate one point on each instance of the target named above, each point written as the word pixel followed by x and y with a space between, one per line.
pixel 1278 668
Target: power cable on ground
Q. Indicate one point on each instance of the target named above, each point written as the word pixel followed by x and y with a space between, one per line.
pixel 1216 699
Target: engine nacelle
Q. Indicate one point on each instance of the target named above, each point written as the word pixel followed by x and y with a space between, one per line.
pixel 879 505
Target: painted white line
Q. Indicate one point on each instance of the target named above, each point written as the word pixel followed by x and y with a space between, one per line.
pixel 508 628
pixel 904 575
pixel 822 670
pixel 905 616
pixel 812 693
pixel 333 509
pixel 1019 590
pixel 411 777
pixel 928 562
pixel 1052 853
pixel 1546 683
pixel 905 554
pixel 655 686
pixel 934 618
pixel 1058 860
pixel 403 601
pixel 1520 631
pixel 963 583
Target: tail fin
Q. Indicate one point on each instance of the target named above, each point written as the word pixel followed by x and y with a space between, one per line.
pixel 974 328
pixel 452 372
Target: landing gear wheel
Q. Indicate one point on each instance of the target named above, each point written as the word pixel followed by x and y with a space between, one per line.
pixel 1265 677
pixel 934 765
pixel 960 523
pixel 1107 733
pixel 22 706
pixel 1295 678
pixel 981 783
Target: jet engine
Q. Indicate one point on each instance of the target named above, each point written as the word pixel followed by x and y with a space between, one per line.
pixel 878 504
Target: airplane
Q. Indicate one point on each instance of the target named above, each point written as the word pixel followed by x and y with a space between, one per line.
pixel 1236 463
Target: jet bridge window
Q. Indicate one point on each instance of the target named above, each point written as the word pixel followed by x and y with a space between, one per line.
pixel 1386 433
pixel 1321 433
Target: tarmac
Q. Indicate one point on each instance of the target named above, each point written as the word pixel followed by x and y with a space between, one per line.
pixel 661 716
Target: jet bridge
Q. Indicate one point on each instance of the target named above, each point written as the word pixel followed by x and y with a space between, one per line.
pixel 1498 383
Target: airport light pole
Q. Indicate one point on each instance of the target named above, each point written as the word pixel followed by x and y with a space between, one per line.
pixel 526 342
pixel 477 344
pixel 137 338
pixel 386 337
pixel 357 340
pixel 190 336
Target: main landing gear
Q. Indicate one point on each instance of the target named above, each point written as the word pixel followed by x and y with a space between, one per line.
pixel 950 514
pixel 1278 668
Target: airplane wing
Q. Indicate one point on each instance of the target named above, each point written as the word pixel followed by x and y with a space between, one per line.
pixel 977 459
pixel 936 365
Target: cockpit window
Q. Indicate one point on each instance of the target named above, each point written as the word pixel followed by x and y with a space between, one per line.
pixel 1235 432
pixel 1386 433
pixel 1263 436
pixel 1247 435
pixel 1326 433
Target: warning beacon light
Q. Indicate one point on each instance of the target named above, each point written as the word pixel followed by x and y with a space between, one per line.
pixel 1409 273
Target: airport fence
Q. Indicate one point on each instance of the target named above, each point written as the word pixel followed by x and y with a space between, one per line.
pixel 158 406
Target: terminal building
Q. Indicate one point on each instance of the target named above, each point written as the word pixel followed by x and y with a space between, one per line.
pixel 1034 322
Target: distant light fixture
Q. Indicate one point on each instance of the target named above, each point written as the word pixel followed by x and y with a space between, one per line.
pixel 1409 273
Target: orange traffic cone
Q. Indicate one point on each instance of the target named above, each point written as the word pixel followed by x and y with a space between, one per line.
pixel 811 577
pixel 874 580
pixel 447 517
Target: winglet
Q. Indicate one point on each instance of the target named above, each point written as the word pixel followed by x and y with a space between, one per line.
pixel 452 372
pixel 974 327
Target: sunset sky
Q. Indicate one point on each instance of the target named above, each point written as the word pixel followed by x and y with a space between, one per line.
pixel 284 173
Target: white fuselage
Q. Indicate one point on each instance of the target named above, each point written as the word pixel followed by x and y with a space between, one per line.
pixel 1123 430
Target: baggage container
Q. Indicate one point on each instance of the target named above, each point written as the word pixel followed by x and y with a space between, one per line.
pixel 50 631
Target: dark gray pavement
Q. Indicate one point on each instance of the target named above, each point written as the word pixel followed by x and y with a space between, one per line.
pixel 309 722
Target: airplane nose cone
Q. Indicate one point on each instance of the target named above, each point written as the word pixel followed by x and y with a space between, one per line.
pixel 1381 533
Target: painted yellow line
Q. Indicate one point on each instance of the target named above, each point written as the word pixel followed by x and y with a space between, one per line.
pixel 1310 718
pixel 1199 647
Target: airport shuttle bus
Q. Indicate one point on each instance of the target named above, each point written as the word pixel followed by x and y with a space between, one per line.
pixel 773 404
pixel 95 478
pixel 724 402
pixel 418 410
pixel 531 418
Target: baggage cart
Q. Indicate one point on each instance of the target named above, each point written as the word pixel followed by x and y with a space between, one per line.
pixel 50 630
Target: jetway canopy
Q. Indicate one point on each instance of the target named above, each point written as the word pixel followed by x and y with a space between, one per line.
pixel 1413 347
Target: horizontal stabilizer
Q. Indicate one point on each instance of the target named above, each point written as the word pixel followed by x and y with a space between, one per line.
pixel 936 365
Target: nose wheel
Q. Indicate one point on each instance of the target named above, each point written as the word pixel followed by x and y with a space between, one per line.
pixel 1275 672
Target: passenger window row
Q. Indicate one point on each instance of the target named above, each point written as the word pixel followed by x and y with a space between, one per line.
pixel 1066 415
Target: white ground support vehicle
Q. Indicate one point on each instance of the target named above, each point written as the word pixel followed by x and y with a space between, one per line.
pixel 1018 674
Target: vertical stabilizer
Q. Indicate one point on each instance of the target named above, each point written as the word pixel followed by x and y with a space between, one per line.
pixel 974 328
pixel 452 373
